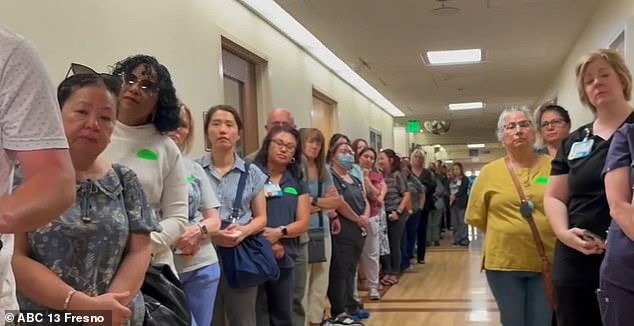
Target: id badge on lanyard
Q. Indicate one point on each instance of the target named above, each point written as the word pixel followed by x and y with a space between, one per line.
pixel 582 148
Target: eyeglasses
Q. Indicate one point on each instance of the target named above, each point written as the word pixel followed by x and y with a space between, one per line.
pixel 524 124
pixel 113 82
pixel 280 143
pixel 146 86
pixel 556 123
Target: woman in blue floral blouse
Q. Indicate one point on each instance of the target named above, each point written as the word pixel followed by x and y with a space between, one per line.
pixel 94 257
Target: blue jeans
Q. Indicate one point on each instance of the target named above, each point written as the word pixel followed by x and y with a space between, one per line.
pixel 521 298
pixel 201 286
pixel 409 238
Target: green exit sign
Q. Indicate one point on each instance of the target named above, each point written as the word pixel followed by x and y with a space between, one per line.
pixel 413 126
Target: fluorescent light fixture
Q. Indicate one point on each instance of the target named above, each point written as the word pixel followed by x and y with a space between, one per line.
pixel 279 19
pixel 475 145
pixel 453 57
pixel 449 161
pixel 466 106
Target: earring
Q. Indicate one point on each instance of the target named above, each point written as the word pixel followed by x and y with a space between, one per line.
pixel 292 160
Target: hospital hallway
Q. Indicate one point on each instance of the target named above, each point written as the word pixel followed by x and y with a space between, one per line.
pixel 448 290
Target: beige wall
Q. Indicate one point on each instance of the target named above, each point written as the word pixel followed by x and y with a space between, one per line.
pixel 611 17
pixel 186 36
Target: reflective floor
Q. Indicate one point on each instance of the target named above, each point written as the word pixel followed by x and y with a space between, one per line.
pixel 449 290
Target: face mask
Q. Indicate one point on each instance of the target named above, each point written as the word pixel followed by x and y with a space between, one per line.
pixel 346 161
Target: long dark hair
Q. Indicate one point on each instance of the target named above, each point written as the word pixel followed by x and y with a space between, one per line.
pixel 263 155
pixel 367 149
pixel 395 161
pixel 167 113
pixel 458 164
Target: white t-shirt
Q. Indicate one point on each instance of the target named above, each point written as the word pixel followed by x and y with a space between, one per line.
pixel 30 120
pixel 158 163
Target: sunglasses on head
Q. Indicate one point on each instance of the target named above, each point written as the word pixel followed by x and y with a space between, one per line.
pixel 112 81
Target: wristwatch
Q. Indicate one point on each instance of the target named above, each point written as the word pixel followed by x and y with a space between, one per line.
pixel 284 230
pixel 314 201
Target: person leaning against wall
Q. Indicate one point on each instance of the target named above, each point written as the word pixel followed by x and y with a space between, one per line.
pixel 511 259
pixel 32 135
pixel 575 199
pixel 554 127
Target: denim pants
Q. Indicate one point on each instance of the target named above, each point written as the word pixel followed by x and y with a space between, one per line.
pixel 521 298
pixel 201 286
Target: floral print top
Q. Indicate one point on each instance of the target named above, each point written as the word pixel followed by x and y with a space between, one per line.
pixel 85 246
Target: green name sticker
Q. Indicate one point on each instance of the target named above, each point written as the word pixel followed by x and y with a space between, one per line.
pixel 147 154
pixel 542 181
pixel 290 191
pixel 191 180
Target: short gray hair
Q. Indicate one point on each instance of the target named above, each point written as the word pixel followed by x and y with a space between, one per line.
pixel 499 132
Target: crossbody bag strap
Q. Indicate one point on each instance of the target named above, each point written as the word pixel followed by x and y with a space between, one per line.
pixel 237 202
pixel 531 221
pixel 321 213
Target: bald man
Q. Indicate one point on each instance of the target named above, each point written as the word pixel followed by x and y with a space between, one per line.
pixel 277 117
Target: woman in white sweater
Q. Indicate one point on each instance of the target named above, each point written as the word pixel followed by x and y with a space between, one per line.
pixel 148 110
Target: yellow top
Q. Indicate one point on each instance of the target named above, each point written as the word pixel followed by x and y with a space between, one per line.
pixel 494 208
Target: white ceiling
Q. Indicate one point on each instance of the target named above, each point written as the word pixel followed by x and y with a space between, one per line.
pixel 525 41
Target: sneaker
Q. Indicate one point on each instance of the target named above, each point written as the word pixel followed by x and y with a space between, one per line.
pixel 342 320
pixel 361 314
pixel 374 294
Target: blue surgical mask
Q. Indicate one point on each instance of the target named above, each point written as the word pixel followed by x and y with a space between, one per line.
pixel 346 161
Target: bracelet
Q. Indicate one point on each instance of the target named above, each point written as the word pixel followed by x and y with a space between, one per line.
pixel 69 296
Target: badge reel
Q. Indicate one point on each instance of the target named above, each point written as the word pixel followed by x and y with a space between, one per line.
pixel 581 149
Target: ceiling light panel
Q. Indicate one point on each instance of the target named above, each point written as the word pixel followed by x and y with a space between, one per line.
pixel 466 106
pixel 453 57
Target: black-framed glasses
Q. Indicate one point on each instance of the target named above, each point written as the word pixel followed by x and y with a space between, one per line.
pixel 556 123
pixel 146 86
pixel 112 81
pixel 523 124
pixel 280 143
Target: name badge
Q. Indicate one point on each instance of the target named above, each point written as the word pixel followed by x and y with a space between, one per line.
pixel 580 149
pixel 272 190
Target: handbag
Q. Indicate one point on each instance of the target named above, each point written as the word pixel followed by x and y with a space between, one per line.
pixel 527 212
pixel 165 301
pixel 251 262
pixel 317 244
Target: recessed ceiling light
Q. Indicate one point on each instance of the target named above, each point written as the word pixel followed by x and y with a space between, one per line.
pixel 466 106
pixel 453 57
pixel 475 145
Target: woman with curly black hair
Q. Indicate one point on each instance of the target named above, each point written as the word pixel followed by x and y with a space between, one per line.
pixel 288 212
pixel 148 109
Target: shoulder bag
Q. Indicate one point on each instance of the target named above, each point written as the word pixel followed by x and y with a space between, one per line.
pixel 251 262
pixel 526 210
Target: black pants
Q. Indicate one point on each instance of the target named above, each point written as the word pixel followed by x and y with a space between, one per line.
pixel 421 247
pixel 343 266
pixel 276 299
pixel 577 305
pixel 392 262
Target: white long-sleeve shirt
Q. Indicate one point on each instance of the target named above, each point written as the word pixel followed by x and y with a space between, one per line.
pixel 159 165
